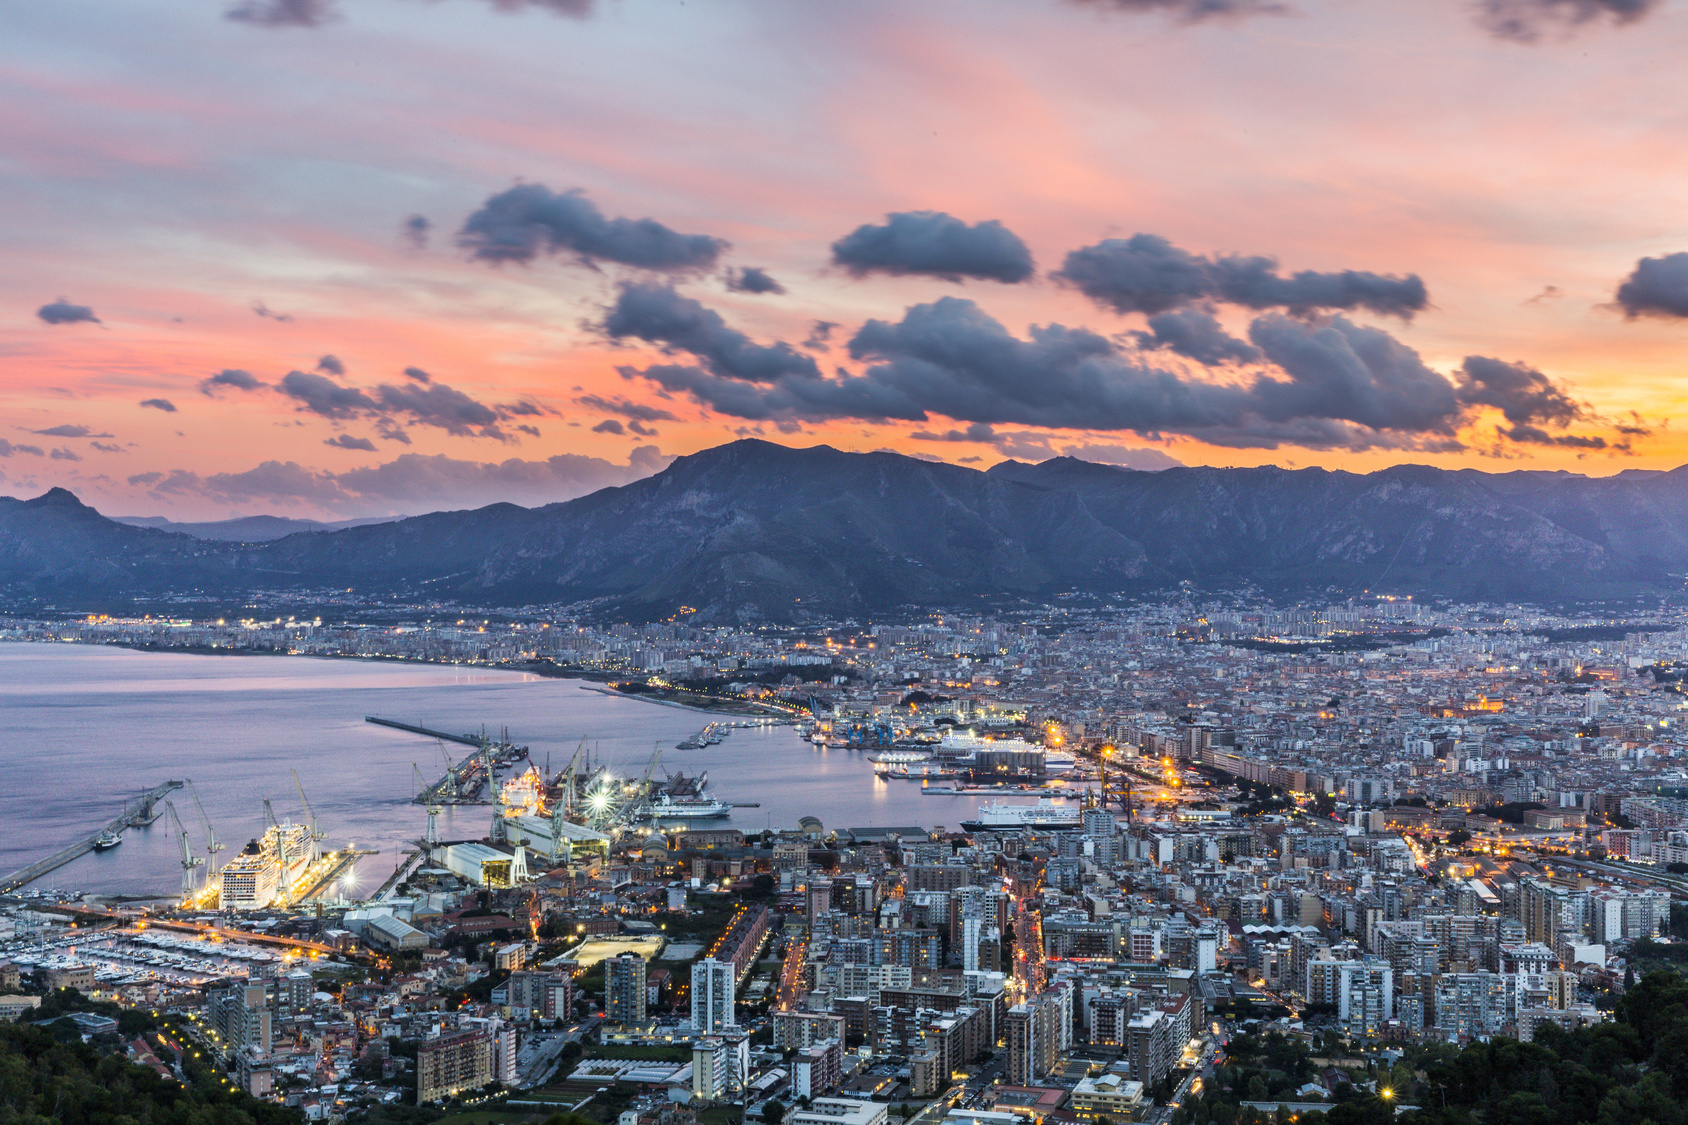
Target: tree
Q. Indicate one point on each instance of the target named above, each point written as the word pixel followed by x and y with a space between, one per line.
pixel 1458 838
pixel 773 1111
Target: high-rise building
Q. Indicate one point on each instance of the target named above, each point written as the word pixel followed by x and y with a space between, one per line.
pixel 712 996
pixel 452 1064
pixel 624 987
pixel 241 1016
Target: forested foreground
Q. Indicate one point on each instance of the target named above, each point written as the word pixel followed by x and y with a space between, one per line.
pixel 1632 1070
pixel 47 1081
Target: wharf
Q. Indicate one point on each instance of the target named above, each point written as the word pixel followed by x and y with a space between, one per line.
pixel 406 868
pixel 460 739
pixel 136 811
pixel 337 863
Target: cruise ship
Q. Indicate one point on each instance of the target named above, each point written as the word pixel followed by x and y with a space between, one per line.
pixel 265 868
pixel 1002 816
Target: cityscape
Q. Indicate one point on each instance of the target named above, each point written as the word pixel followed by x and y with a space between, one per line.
pixel 1361 830
pixel 897 562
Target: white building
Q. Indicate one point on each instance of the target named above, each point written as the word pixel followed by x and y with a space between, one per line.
pixel 712 996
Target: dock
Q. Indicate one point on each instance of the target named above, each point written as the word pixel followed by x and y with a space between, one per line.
pixel 461 739
pixel 338 864
pixel 137 811
pixel 406 868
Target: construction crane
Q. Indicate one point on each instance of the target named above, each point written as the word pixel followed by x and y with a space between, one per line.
pixel 310 817
pixel 190 862
pixel 212 846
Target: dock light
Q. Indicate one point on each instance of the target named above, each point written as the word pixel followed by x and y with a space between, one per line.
pixel 1386 1093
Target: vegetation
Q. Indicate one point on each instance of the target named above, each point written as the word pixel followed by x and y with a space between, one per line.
pixel 43 1080
pixel 1630 1071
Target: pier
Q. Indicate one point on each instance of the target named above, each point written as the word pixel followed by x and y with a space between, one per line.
pixel 460 739
pixel 406 868
pixel 137 811
pixel 315 884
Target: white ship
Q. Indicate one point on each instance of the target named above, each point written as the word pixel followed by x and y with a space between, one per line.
pixel 667 806
pixel 267 868
pixel 1005 815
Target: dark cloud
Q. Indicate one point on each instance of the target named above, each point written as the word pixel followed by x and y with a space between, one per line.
pixel 431 404
pixel 232 377
pixel 347 441
pixel 62 454
pixel 1145 273
pixel 418 374
pixel 532 431
pixel 1656 287
pixel 609 426
pixel 522 409
pixel 638 411
pixel 163 404
pixel 640 428
pixel 444 407
pixel 321 395
pixel 146 479
pixel 283 13
pixel 529 221
pixel 107 447
pixel 62 311
pixel 1521 393
pixel 820 332
pixel 1527 21
pixel 9 449
pixel 752 279
pixel 268 313
pixel 659 315
pixel 1195 334
pixel 414 230
pixel 937 245
pixel 1335 385
pixel 331 364
pixel 1535 435
pixel 1194 11
pixel 68 431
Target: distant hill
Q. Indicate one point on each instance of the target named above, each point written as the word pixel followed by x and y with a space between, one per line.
pixel 757 531
pixel 247 529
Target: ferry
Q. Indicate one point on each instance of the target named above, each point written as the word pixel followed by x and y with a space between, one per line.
pixel 107 840
pixel 667 806
pixel 1005 816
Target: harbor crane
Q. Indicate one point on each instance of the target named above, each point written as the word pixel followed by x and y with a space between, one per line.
pixel 425 794
pixel 569 795
pixel 212 846
pixel 190 862
pixel 310 817
pixel 281 850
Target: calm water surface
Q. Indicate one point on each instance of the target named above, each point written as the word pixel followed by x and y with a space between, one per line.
pixel 84 727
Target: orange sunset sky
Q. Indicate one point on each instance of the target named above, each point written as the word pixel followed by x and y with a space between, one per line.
pixel 339 258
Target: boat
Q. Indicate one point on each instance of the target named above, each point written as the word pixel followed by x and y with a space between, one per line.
pixel 107 840
pixel 1005 815
pixel 699 806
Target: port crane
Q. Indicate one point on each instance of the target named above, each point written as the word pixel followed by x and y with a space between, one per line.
pixel 570 797
pixel 212 846
pixel 310 817
pixel 190 862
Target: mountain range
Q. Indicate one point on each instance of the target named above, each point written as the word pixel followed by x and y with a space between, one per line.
pixel 753 531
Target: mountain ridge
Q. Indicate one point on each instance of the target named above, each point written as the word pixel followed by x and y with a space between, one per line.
pixel 753 530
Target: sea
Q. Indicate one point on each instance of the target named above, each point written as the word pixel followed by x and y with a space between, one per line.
pixel 85 727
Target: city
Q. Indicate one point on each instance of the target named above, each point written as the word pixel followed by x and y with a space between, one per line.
pixel 1362 830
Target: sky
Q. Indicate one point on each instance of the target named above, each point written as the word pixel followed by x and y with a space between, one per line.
pixel 335 258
